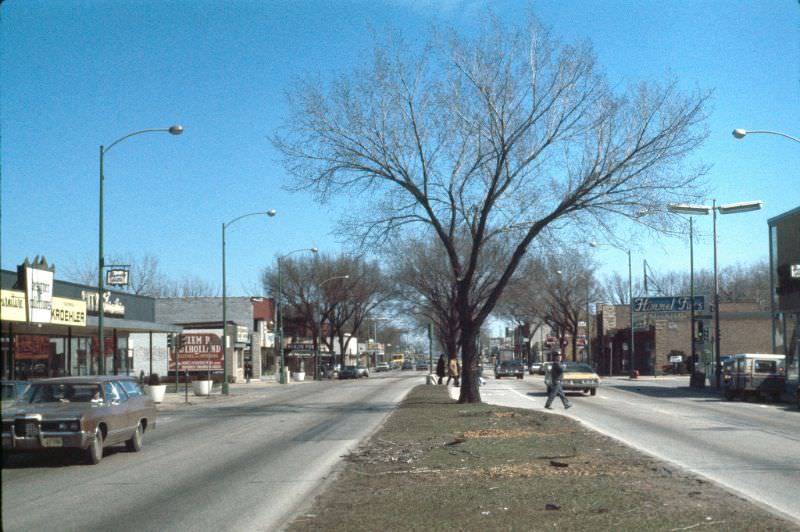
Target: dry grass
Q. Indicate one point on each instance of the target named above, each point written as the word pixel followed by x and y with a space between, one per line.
pixel 438 465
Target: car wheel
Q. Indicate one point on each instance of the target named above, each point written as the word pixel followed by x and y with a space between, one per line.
pixel 134 444
pixel 728 394
pixel 95 451
pixel 593 391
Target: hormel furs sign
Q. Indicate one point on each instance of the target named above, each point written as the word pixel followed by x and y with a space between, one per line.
pixel 200 352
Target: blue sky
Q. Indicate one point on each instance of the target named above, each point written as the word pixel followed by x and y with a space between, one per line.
pixel 80 73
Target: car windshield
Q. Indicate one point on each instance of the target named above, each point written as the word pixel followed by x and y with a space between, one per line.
pixel 578 368
pixel 62 393
pixel 8 391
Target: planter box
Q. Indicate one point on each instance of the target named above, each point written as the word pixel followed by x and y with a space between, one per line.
pixel 202 387
pixel 299 375
pixel 156 392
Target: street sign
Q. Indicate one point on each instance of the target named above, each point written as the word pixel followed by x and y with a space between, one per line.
pixel 668 304
pixel 117 277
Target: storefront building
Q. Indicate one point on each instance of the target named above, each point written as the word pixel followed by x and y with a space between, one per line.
pixel 784 261
pixel 663 342
pixel 49 328
pixel 250 330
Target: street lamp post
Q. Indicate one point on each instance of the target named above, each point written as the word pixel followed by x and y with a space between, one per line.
pixel 173 130
pixel 730 208
pixel 282 377
pixel 319 333
pixel 225 387
pixel 676 209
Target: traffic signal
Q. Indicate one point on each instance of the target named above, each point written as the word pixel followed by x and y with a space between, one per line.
pixel 169 341
pixel 700 331
pixel 181 340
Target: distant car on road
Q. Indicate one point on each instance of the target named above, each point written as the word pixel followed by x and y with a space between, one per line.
pixel 535 368
pixel 577 377
pixel 422 365
pixel 86 413
pixel 382 366
pixel 509 368
pixel 351 372
pixel 408 364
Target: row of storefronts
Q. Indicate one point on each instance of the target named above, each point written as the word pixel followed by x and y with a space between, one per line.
pixel 50 328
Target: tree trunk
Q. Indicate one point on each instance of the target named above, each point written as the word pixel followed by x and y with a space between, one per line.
pixel 469 358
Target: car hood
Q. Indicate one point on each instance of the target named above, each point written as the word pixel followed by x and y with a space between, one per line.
pixel 51 410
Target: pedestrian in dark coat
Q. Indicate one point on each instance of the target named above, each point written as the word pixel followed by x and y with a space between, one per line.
pixel 440 368
pixel 556 374
pixel 248 372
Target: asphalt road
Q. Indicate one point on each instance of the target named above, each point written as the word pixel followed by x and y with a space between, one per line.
pixel 752 448
pixel 248 462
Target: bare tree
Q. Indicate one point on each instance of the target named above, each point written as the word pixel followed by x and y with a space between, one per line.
pixel 145 277
pixel 188 286
pixel 321 301
pixel 508 136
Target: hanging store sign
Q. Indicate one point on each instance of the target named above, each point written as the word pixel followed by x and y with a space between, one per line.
pixel 12 305
pixel 117 277
pixel 242 335
pixel 39 289
pixel 668 304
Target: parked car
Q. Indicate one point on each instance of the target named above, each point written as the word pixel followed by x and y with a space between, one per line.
pixel 86 413
pixel 349 372
pixel 382 366
pixel 577 377
pixel 754 375
pixel 422 365
pixel 12 391
pixel 509 368
pixel 535 368
pixel 408 364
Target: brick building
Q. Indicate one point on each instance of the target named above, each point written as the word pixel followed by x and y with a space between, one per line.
pixel 745 327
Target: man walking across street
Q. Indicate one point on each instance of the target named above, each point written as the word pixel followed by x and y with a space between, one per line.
pixel 452 372
pixel 556 374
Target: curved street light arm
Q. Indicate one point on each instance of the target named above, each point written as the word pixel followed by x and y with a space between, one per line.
pixel 740 133
pixel 269 213
pixel 175 130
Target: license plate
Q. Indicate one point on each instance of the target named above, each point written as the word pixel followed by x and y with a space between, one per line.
pixel 52 442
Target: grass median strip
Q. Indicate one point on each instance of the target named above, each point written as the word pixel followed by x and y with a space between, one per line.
pixel 439 465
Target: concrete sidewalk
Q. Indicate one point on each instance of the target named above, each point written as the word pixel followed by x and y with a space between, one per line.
pixel 173 400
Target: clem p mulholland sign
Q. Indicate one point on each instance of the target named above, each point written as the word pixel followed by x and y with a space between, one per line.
pixel 668 304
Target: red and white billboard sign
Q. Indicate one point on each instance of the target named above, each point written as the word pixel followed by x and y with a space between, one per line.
pixel 200 352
